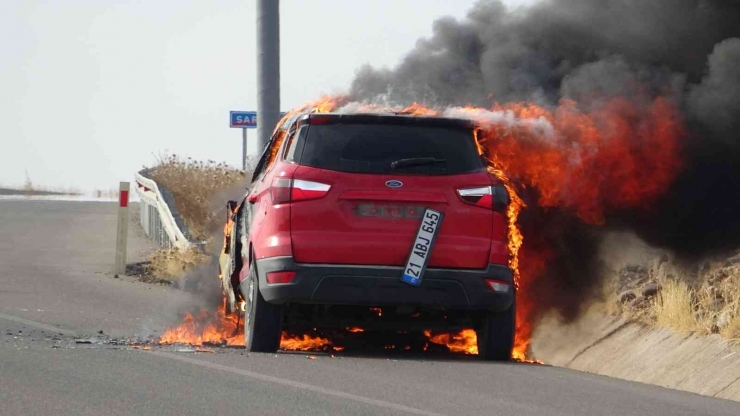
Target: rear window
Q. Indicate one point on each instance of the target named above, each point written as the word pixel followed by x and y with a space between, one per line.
pixel 372 148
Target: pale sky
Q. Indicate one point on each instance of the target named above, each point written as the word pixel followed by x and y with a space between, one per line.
pixel 91 90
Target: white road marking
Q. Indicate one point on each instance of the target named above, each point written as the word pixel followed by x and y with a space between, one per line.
pixel 297 384
pixel 246 373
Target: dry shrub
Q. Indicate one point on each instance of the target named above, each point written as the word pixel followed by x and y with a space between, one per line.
pixel 728 291
pixel 732 330
pixel 705 309
pixel 673 307
pixel 173 263
pixel 701 297
pixel 713 307
pixel 193 185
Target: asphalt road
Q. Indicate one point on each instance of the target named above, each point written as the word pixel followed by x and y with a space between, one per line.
pixel 56 286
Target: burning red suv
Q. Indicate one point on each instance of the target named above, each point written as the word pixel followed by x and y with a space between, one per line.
pixel 379 221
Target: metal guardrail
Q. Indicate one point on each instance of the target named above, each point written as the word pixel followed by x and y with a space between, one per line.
pixel 159 217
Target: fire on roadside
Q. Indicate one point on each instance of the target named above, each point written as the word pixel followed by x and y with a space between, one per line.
pixel 219 328
pixel 354 329
pixel 206 327
pixel 622 155
pixel 466 342
pixel 463 342
pixel 304 342
pixel 586 162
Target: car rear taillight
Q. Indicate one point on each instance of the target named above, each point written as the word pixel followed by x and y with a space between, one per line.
pixel 274 278
pixel 498 285
pixel 481 197
pixel 305 190
pixel 285 190
pixel 280 190
pixel 495 197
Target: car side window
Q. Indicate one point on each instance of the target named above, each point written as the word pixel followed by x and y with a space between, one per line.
pixel 274 149
pixel 258 168
pixel 290 145
pixel 269 155
pixel 295 143
pixel 286 143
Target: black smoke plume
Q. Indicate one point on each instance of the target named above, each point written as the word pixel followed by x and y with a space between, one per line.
pixel 585 50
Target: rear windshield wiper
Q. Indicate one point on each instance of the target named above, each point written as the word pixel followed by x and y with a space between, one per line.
pixel 416 161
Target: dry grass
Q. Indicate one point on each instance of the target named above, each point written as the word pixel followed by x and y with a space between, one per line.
pixel 732 330
pixel 673 307
pixel 193 185
pixel 705 310
pixel 728 290
pixel 712 306
pixel 173 263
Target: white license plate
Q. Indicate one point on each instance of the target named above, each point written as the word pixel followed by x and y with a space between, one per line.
pixel 422 247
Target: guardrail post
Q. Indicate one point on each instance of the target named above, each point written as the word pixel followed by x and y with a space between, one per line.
pixel 122 234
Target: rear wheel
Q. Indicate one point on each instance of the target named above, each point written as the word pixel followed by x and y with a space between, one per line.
pixel 262 320
pixel 496 334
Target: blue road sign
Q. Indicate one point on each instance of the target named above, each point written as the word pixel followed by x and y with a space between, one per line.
pixel 244 119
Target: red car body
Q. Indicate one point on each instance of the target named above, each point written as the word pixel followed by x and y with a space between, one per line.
pixel 330 218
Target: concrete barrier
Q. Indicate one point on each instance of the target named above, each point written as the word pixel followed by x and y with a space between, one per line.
pixel 707 365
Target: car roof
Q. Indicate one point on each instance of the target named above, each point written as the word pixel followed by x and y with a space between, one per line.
pixel 390 119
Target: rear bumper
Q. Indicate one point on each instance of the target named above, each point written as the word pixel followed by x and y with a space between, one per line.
pixel 382 285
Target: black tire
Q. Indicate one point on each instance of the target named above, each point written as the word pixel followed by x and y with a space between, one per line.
pixel 262 321
pixel 496 334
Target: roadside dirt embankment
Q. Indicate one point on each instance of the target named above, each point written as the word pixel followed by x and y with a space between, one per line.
pixel 703 364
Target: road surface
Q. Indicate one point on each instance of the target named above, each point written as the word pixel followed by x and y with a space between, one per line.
pixel 56 286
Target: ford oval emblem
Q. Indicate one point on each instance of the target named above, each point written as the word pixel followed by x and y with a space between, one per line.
pixel 394 184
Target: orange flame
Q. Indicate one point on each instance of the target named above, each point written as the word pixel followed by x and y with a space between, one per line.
pixel 465 341
pixel 206 328
pixel 621 155
pixel 354 329
pixel 304 343
pixel 322 105
pixel 417 109
pixel 618 156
